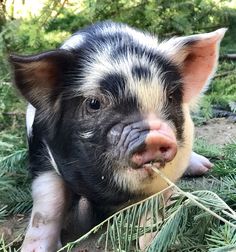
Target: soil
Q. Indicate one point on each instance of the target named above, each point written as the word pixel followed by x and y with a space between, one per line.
pixel 218 131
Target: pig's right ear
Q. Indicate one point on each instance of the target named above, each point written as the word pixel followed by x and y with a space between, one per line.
pixel 40 77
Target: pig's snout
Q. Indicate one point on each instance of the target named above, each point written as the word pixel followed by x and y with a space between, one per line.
pixel 144 141
pixel 158 146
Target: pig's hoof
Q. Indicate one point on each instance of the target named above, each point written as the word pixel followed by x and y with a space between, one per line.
pixel 39 245
pixel 146 240
pixel 198 165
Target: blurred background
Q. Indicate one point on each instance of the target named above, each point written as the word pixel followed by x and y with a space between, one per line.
pixel 28 27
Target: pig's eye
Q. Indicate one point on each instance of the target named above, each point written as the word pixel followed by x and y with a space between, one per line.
pixel 93 104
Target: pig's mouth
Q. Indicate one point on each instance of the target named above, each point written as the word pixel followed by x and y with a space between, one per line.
pixel 146 169
pixel 159 163
pixel 144 159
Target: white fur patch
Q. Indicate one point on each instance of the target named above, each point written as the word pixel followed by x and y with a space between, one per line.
pixel 52 160
pixel 87 134
pixel 30 115
pixel 49 197
pixel 73 42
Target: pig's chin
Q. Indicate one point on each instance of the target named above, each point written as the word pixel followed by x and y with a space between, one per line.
pixel 138 179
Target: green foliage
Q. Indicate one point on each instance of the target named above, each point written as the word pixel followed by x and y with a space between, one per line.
pixel 8 247
pixel 14 182
pixel 222 178
pixel 223 236
pixel 210 151
pixel 161 17
pixel 26 37
pixel 222 90
pixel 3 213
pixel 11 108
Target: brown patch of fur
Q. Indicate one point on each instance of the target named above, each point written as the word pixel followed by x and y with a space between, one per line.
pixel 38 219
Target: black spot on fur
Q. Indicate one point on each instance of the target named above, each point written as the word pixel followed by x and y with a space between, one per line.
pixel 174 97
pixel 114 83
pixel 140 72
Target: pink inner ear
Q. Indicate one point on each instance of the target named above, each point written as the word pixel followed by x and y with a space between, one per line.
pixel 198 67
pixel 45 74
pixel 40 75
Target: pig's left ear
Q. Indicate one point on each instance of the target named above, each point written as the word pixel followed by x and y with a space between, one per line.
pixel 39 77
pixel 196 57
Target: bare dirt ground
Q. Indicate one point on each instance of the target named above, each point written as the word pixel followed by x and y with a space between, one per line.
pixel 218 131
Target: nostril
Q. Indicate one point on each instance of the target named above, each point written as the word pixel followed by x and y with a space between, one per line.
pixel 164 149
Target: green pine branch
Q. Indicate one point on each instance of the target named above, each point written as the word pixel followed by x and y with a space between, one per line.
pixel 178 222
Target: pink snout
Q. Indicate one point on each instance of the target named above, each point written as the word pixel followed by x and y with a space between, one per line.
pixel 160 146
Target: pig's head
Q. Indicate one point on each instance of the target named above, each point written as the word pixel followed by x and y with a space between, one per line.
pixel 112 101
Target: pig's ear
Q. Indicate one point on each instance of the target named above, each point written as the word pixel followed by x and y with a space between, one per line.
pixel 39 77
pixel 197 58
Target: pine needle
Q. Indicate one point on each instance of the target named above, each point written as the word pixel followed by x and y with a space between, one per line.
pixel 123 227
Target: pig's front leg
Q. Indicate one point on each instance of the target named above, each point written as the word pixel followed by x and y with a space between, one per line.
pixel 49 204
pixel 198 165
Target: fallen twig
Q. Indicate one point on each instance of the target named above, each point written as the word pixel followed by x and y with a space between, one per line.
pixel 224 74
pixel 14 113
pixel 231 56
